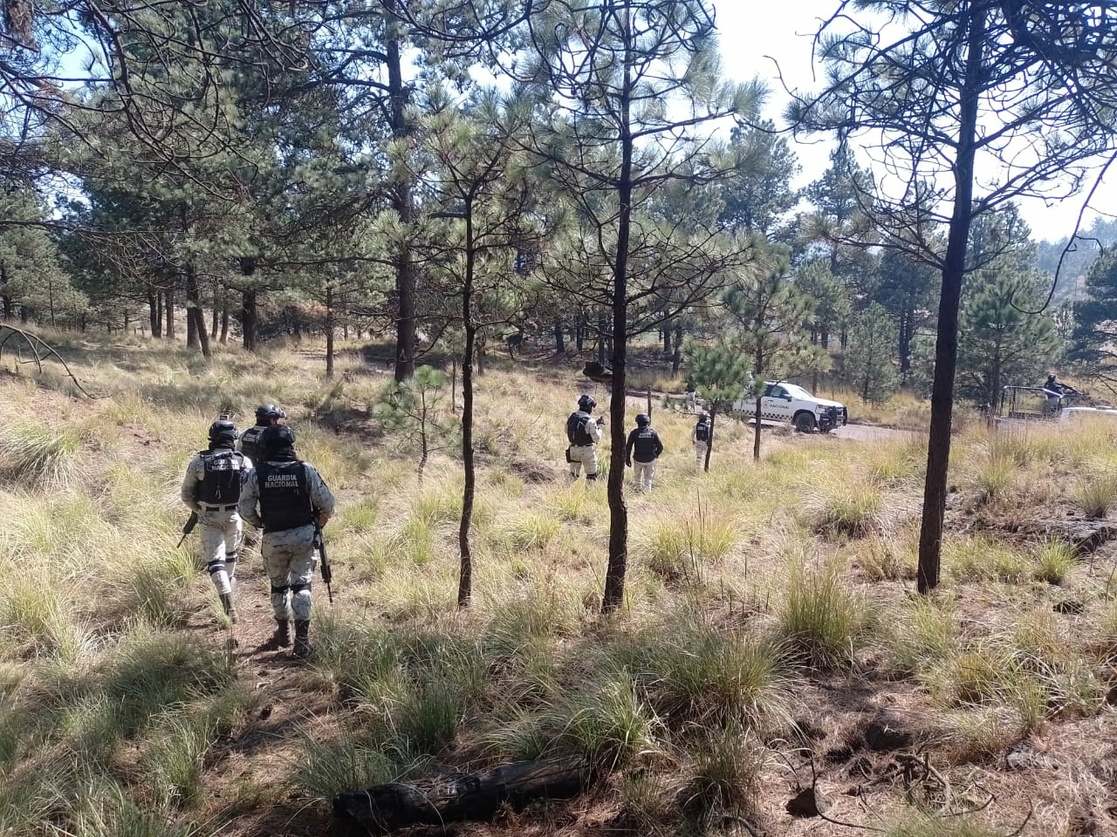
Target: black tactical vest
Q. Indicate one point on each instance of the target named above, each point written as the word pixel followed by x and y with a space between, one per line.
pixel 250 442
pixel 576 429
pixel 702 432
pixel 284 495
pixel 643 448
pixel 223 477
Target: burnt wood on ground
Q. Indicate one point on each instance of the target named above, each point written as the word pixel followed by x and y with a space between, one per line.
pixel 460 796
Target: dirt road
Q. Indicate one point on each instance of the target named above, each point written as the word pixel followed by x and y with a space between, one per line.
pixel 872 433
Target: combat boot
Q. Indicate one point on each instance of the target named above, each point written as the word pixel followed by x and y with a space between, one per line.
pixel 281 638
pixel 302 648
pixel 227 605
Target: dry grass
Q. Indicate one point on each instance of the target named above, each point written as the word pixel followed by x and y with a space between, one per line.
pixel 121 707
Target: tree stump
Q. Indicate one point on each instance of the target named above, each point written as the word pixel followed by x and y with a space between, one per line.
pixel 461 796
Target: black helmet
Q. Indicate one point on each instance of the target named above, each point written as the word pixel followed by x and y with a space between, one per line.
pixel 268 411
pixel 586 403
pixel 276 437
pixel 222 430
pixel 642 420
pixel 703 416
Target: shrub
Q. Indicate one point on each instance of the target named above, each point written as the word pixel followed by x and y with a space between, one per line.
pixel 854 512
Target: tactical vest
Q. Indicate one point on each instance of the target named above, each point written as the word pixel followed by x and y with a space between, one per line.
pixel 643 448
pixel 284 495
pixel 250 442
pixel 224 474
pixel 576 429
pixel 702 432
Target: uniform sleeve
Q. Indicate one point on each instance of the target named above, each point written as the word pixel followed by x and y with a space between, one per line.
pixel 190 483
pixel 320 496
pixel 658 445
pixel 593 429
pixel 628 445
pixel 249 499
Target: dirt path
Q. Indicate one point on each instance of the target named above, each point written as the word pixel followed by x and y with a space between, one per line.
pixel 873 433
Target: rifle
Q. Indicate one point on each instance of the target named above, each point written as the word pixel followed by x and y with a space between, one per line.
pixel 327 573
pixel 188 527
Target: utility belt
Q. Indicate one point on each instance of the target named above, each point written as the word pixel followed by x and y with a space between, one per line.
pixel 207 507
pixel 590 445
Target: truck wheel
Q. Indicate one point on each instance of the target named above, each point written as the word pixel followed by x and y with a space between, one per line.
pixel 804 423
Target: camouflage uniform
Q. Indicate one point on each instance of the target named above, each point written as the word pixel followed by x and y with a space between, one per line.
pixel 285 497
pixel 583 433
pixel 211 488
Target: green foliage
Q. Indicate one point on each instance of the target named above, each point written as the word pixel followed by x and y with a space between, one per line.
pixel 416 409
pixel 869 359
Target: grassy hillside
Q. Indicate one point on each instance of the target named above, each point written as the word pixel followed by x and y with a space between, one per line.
pixel 770 636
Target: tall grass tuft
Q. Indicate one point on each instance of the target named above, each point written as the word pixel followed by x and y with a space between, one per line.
pixel 607 723
pixel 820 620
pixel 697 674
pixel 1095 495
pixel 854 512
pixel 677 550
pixel 327 768
pixel 919 635
pixel 1054 559
pixel 35 456
pixel 726 778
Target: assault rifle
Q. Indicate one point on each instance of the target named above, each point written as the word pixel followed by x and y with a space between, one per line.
pixel 188 527
pixel 327 573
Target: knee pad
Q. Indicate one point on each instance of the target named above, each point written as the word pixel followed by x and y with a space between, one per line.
pixel 298 588
pixel 231 558
pixel 215 567
pixel 279 591
pixel 591 476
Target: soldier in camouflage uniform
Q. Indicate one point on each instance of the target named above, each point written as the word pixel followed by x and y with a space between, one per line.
pixel 267 415
pixel 212 488
pixel 288 499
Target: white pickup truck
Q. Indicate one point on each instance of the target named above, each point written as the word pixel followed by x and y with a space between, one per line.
pixel 784 402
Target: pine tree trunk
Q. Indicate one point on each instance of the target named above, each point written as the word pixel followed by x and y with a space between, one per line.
pixel 677 357
pixel 465 577
pixel 618 512
pixel 248 320
pixel 225 319
pixel 329 331
pixel 169 299
pixel 560 346
pixel 406 275
pixel 194 312
pixel 946 344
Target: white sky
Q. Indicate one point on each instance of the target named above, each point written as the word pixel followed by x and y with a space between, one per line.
pixel 752 34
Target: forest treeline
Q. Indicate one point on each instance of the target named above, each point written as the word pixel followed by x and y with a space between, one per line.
pixel 286 169
pixel 460 172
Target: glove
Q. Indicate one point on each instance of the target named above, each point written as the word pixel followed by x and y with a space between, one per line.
pixel 628 462
pixel 601 419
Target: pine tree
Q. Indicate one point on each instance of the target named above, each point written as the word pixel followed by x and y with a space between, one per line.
pixel 869 363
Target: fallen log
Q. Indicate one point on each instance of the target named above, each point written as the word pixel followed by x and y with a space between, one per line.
pixel 461 796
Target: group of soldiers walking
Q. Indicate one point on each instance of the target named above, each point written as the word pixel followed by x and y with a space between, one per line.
pixel 642 448
pixel 266 484
pixel 257 477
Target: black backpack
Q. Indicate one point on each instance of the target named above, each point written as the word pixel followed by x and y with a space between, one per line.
pixel 224 476
pixel 576 429
pixel 702 432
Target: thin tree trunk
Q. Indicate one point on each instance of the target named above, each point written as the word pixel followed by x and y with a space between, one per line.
pixel 560 346
pixel 677 357
pixel 756 432
pixel 225 318
pixel 465 579
pixel 330 325
pixel 946 344
pixel 194 312
pixel 618 511
pixel 401 200
pixel 153 316
pixel 215 322
pixel 248 320
pixel 709 442
pixel 169 299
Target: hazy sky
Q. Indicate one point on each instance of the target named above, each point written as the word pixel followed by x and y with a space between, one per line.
pixel 753 34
